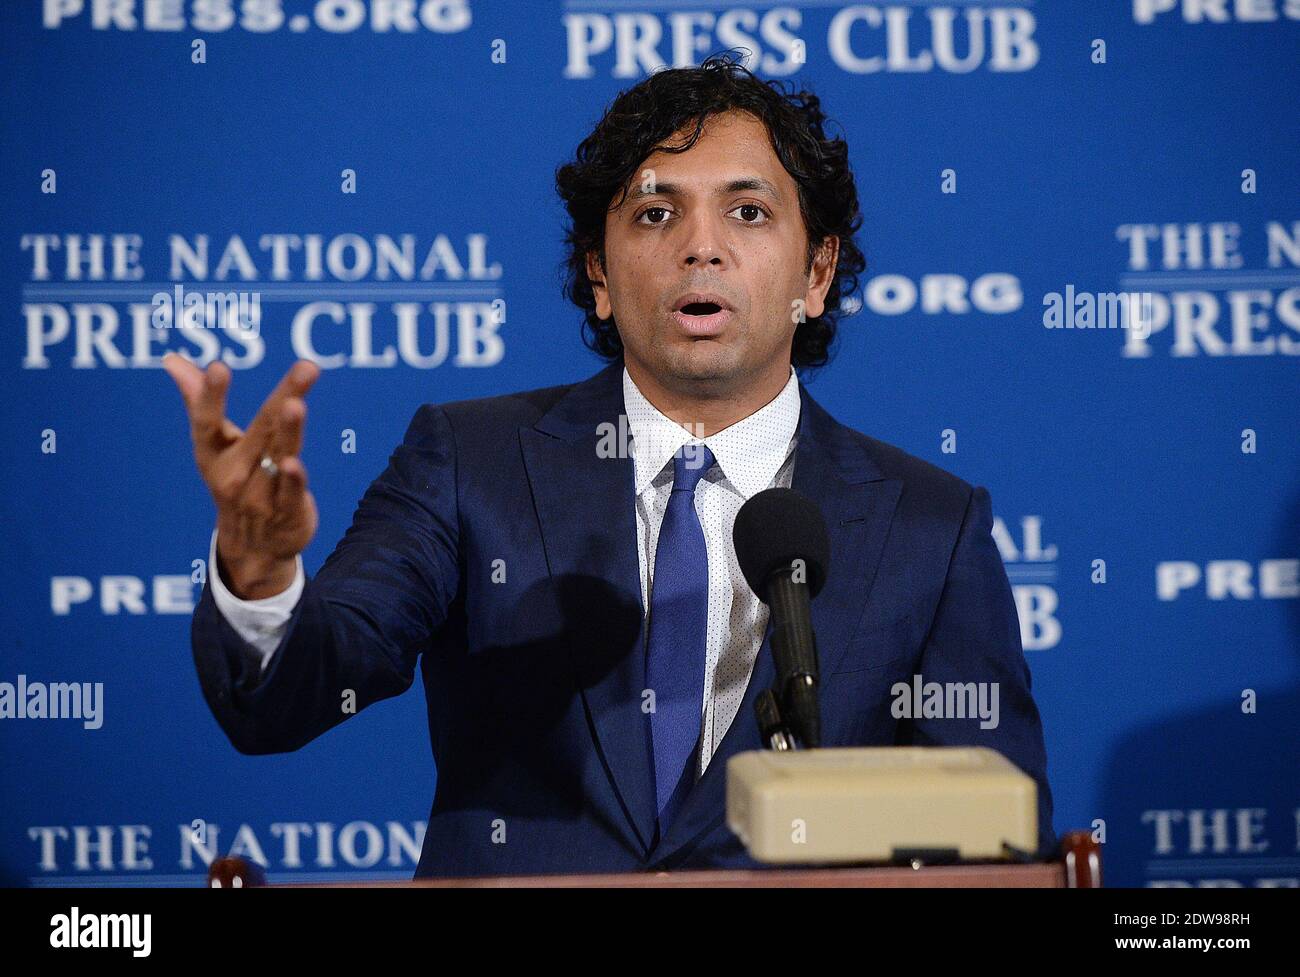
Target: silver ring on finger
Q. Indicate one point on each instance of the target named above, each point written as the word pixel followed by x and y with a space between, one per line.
pixel 270 467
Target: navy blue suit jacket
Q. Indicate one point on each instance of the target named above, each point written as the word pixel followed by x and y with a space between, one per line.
pixel 534 684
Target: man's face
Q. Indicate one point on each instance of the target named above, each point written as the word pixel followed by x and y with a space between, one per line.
pixel 721 218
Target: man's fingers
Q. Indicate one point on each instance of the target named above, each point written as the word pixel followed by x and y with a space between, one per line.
pixel 295 383
pixel 187 377
pixel 290 489
pixel 287 440
pixel 204 394
pixel 256 494
pixel 210 409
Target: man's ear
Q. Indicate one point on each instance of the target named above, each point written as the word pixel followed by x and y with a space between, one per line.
pixel 821 274
pixel 598 287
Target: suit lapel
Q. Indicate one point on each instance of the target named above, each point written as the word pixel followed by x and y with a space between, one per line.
pixel 833 469
pixel 586 507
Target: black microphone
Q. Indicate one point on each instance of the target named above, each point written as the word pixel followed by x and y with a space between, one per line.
pixel 784 552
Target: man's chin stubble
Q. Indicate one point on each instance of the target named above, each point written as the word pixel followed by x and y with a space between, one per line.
pixel 704 371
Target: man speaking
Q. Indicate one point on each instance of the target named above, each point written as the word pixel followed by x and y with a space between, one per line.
pixel 560 562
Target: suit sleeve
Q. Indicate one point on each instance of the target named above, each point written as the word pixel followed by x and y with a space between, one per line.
pixel 975 637
pixel 356 632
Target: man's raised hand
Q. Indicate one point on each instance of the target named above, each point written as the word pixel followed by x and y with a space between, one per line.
pixel 265 514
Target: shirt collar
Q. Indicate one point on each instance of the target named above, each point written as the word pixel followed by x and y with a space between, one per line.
pixel 750 452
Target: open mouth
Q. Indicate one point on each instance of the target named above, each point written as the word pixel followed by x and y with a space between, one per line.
pixel 704 319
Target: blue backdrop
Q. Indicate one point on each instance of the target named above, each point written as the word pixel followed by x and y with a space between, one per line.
pixel 1003 154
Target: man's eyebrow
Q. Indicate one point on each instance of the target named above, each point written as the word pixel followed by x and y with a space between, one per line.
pixel 734 186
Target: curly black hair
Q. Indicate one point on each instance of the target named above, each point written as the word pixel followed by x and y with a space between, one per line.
pixel 642 117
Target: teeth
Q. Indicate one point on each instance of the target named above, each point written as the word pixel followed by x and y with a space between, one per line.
pixel 701 308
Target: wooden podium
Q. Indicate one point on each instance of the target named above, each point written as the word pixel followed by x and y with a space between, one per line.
pixel 1077 866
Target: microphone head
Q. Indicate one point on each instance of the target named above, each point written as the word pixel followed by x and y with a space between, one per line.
pixel 772 530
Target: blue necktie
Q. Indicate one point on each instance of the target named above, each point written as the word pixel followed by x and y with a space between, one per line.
pixel 679 615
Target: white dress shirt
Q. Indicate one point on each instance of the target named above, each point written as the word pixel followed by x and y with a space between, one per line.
pixel 259 622
pixel 751 455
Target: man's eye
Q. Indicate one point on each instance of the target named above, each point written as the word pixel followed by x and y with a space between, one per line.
pixel 651 210
pixel 757 212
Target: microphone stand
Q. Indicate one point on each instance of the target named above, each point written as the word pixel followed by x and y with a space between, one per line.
pixel 772 730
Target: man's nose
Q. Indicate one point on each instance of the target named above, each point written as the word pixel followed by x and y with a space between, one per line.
pixel 704 242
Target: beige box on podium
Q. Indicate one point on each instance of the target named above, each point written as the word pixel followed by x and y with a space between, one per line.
pixel 864 804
